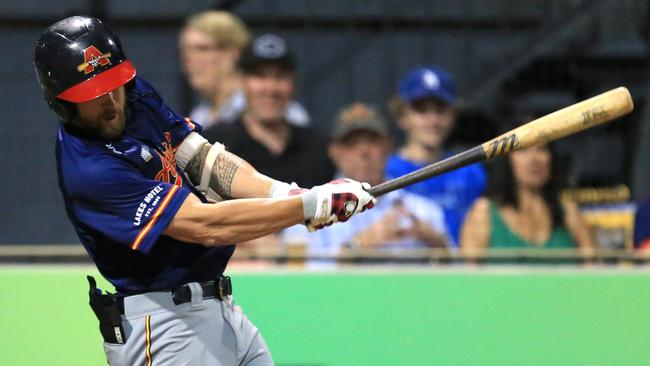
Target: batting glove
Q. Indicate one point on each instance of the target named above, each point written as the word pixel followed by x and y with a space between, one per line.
pixel 335 201
pixel 282 189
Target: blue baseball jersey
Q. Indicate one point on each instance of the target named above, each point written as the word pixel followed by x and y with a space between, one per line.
pixel 121 195
pixel 454 191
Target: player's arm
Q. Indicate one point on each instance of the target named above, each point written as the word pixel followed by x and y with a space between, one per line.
pixel 239 220
pixel 221 175
pixel 233 221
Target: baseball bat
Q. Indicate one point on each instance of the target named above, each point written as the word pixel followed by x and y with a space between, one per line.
pixel 566 121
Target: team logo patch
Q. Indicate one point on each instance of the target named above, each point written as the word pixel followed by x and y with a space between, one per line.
pixel 93 57
pixel 145 154
pixel 168 172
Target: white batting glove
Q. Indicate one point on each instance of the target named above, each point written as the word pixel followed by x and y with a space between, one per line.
pixel 282 189
pixel 335 201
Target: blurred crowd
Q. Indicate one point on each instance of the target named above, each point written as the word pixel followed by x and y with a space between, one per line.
pixel 247 86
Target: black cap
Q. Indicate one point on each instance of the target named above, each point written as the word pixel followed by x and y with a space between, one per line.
pixel 266 49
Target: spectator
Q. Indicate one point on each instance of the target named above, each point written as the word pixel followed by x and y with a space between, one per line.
pixel 359 147
pixel 210 45
pixel 262 135
pixel 425 110
pixel 642 226
pixel 523 208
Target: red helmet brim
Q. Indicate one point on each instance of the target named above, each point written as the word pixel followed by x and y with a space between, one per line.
pixel 100 84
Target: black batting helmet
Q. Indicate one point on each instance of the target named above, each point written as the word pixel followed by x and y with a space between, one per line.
pixel 78 59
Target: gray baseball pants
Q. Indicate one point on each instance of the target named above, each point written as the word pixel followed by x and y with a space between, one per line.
pixel 201 332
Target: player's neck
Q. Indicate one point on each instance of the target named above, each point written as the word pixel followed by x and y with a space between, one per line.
pixel 417 152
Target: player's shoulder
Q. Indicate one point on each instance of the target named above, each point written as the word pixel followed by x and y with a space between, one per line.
pixel 83 162
pixel 141 91
pixel 140 85
pixel 87 175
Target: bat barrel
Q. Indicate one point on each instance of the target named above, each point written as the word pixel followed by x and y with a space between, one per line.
pixel 566 121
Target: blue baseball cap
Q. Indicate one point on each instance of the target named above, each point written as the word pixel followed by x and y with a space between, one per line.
pixel 427 82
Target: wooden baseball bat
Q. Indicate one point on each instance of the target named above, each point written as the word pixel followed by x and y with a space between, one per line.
pixel 566 121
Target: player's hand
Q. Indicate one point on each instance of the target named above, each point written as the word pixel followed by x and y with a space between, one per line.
pixel 336 201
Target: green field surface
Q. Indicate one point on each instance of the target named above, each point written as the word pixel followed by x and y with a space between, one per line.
pixel 484 317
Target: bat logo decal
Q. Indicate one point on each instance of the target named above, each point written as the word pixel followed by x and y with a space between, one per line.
pixel 594 115
pixel 502 145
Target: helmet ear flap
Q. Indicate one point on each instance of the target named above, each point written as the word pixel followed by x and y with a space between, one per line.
pixel 64 110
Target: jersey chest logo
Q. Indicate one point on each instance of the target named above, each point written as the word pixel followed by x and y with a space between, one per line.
pixel 168 173
pixel 93 57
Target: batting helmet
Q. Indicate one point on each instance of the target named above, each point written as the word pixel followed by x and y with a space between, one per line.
pixel 77 60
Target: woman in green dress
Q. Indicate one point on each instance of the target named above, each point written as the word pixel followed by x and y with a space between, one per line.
pixel 523 209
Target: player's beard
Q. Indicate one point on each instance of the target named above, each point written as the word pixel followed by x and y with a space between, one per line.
pixel 109 125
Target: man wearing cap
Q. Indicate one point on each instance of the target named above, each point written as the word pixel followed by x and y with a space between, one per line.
pixel 360 145
pixel 157 207
pixel 210 44
pixel 425 110
pixel 262 134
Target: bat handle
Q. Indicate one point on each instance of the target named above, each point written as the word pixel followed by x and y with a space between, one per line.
pixel 379 189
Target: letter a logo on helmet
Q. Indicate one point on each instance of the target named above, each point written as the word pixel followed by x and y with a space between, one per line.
pixel 93 58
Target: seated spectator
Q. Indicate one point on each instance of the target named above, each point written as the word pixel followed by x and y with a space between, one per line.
pixel 262 135
pixel 425 110
pixel 211 44
pixel 642 226
pixel 523 208
pixel 359 147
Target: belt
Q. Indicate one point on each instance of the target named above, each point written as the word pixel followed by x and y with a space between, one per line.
pixel 219 289
pixel 211 289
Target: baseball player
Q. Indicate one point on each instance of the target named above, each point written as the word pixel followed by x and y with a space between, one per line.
pixel 156 206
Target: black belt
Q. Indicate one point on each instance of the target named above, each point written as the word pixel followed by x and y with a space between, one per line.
pixel 213 289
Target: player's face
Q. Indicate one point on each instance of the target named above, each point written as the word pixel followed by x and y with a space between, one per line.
pixel 361 155
pixel 428 122
pixel 268 91
pixel 204 62
pixel 105 116
pixel 531 168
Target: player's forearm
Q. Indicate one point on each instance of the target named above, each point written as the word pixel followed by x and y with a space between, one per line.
pixel 234 221
pixel 229 176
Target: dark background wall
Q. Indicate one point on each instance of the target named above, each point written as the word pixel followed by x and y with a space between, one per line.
pixel 508 55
